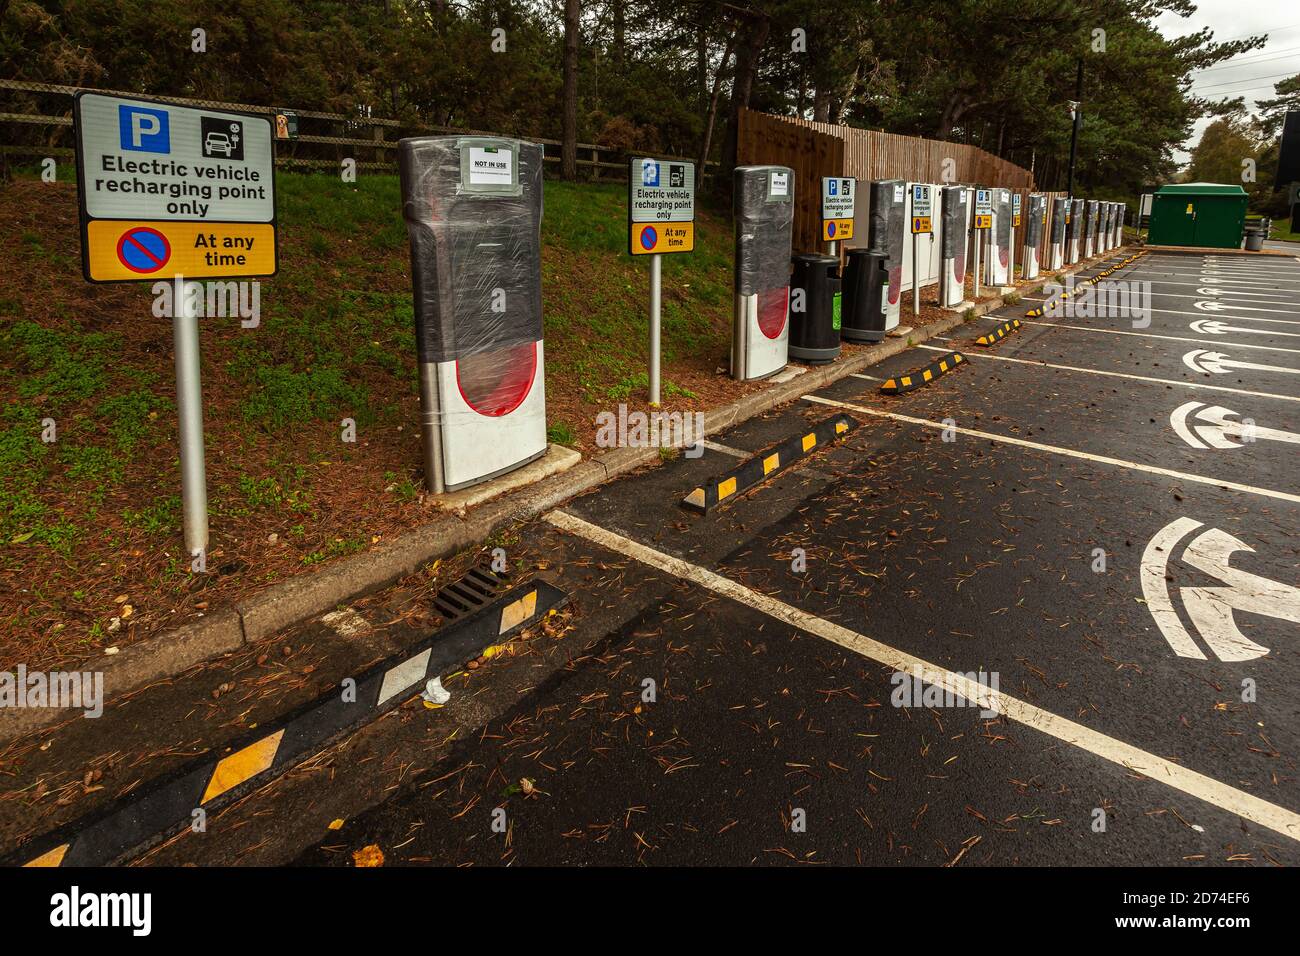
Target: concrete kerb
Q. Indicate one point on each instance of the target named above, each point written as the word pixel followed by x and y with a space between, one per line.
pixel 296 600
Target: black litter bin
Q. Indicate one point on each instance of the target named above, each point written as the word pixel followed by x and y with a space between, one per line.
pixel 866 279
pixel 813 336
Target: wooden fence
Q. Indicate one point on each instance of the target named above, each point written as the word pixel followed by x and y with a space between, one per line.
pixel 814 150
pixel 37 119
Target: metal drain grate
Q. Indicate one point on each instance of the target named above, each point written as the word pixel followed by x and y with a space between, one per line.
pixel 478 588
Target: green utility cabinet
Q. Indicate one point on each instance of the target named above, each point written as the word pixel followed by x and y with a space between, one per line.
pixel 1198 214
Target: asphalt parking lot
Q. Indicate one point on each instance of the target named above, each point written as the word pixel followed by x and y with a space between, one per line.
pixel 1087 528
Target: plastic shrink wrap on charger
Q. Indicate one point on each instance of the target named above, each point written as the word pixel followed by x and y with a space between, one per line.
pixel 1002 224
pixel 764 225
pixel 1036 204
pixel 887 224
pixel 476 260
pixel 473 212
pixel 1057 234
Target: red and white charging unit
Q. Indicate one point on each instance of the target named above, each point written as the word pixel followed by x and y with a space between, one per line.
pixel 956 205
pixel 764 214
pixel 473 210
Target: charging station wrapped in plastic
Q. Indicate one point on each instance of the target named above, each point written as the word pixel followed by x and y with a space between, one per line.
pixel 473 211
pixel 1035 209
pixel 1002 233
pixel 887 226
pixel 1056 234
pixel 955 236
pixel 763 208
pixel 764 225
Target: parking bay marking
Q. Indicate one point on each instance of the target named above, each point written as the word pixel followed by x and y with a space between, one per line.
pixel 1215 327
pixel 1149 335
pixel 1217 363
pixel 1126 756
pixel 1200 314
pixel 1210 608
pixel 1211 426
pixel 1059 450
pixel 1128 375
pixel 1206 305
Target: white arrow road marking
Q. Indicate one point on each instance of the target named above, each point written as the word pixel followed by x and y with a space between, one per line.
pixel 1200 360
pixel 1210 608
pixel 1228 293
pixel 1212 427
pixel 1155 560
pixel 1126 757
pixel 1215 327
pixel 1209 305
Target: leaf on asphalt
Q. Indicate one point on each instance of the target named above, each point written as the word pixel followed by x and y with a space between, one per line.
pixel 368 856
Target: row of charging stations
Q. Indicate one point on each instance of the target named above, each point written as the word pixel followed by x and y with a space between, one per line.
pixel 473 209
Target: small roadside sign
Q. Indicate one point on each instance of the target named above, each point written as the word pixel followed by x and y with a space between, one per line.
pixel 191 191
pixel 983 209
pixel 286 125
pixel 1015 209
pixel 922 208
pixel 660 206
pixel 838 195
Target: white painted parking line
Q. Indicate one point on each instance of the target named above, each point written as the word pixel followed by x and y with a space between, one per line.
pixel 1198 313
pixel 727 450
pixel 1145 335
pixel 1128 375
pixel 1060 450
pixel 1217 278
pixel 1128 758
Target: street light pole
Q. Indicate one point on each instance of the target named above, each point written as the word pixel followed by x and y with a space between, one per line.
pixel 1078 121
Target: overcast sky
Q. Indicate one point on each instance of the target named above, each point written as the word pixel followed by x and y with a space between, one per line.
pixel 1252 74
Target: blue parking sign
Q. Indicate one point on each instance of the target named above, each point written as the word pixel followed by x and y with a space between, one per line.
pixel 649 172
pixel 143 129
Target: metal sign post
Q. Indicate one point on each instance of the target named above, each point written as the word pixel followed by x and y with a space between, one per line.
pixel 656 262
pixel 838 195
pixel 983 224
pixel 189 414
pixel 661 219
pixel 177 191
pixel 1011 246
pixel 922 210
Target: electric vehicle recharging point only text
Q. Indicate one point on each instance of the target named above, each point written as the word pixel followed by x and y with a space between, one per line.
pixel 763 204
pixel 473 210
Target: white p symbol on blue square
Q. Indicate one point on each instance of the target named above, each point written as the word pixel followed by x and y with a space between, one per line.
pixel 143 130
pixel 649 172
